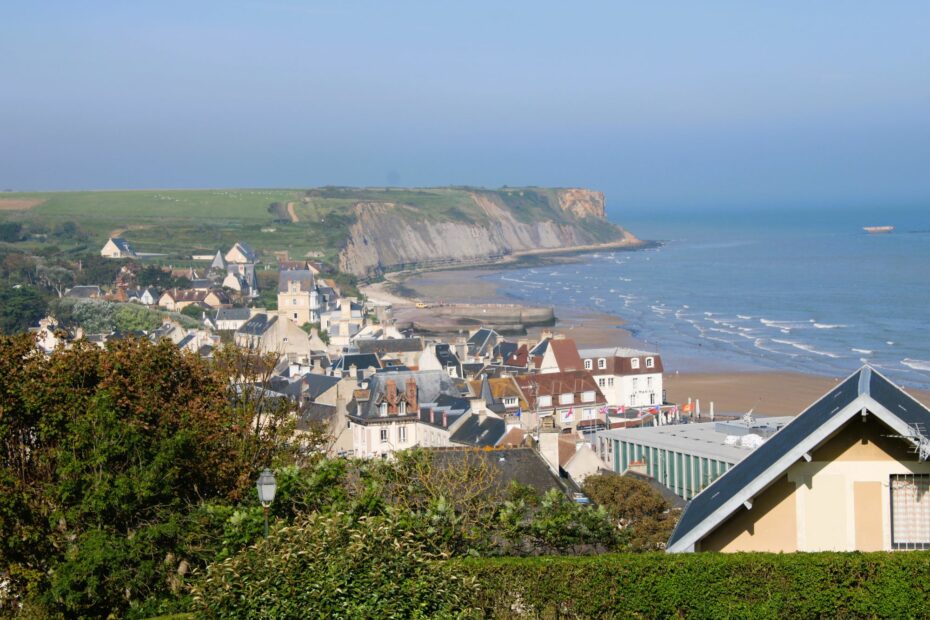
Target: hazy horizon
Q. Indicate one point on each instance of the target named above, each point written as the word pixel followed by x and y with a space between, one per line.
pixel 672 106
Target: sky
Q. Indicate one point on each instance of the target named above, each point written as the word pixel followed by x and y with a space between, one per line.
pixel 658 104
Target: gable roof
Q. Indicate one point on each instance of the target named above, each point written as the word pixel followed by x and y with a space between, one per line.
pixel 864 391
pixel 218 261
pixel 318 384
pixel 479 431
pixel 556 383
pixel 233 314
pixel 389 345
pixel 431 386
pixel 566 354
pixel 480 343
pixel 245 249
pixel 258 324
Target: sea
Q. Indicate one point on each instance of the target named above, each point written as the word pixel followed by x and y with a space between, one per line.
pixel 781 289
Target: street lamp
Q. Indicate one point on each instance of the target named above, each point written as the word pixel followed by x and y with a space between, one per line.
pixel 266 486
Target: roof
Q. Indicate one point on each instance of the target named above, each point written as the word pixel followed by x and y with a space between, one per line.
pixel 390 345
pixel 864 390
pixel 504 350
pixel 218 261
pixel 233 314
pixel 121 244
pixel 704 439
pixel 258 324
pixel 522 465
pixel 359 360
pixel 318 384
pixel 480 343
pixel 83 292
pixel 566 354
pixel 479 431
pixel 431 385
pixel 303 277
pixel 555 383
pixel 246 250
pixel 445 356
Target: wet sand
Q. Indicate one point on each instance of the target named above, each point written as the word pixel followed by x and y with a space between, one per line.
pixel 766 393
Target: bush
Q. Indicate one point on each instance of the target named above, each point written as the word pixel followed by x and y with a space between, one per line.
pixel 329 566
pixel 702 585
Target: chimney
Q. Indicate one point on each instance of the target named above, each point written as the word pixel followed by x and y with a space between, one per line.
pixel 390 394
pixel 549 448
pixel 346 308
pixel 353 371
pixel 445 420
pixel 411 393
pixel 432 415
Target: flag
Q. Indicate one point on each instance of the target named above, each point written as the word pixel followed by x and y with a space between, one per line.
pixel 519 411
pixel 569 413
pixel 654 410
pixel 686 408
pixel 622 409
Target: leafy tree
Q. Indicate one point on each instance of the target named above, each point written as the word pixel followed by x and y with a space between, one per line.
pixel 193 311
pixel 11 231
pixel 95 269
pixel 21 307
pixel 152 275
pixel 112 464
pixel 636 508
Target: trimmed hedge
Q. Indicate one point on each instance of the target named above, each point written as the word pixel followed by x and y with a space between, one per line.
pixel 703 585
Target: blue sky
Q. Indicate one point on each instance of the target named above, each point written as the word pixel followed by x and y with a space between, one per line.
pixel 671 105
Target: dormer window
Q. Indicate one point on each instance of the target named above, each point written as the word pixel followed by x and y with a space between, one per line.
pixel 588 365
pixel 650 362
pixel 634 363
pixel 602 363
pixel 545 401
pixel 383 410
pixel 566 399
pixel 587 397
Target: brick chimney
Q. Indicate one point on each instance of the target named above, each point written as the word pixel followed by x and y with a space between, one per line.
pixel 445 420
pixel 411 394
pixel 390 394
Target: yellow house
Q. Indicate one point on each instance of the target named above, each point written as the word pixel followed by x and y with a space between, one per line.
pixel 850 473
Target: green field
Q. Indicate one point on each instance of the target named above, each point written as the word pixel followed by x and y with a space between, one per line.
pixel 180 223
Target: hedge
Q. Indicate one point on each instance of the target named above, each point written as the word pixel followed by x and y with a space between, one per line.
pixel 703 585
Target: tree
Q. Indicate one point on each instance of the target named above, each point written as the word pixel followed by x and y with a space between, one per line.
pixel 194 311
pixel 646 518
pixel 11 232
pixel 152 275
pixel 116 468
pixel 95 269
pixel 21 307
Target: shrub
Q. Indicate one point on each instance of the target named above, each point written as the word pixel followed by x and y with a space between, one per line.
pixel 329 566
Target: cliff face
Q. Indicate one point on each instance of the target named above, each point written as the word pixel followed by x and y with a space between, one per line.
pixel 389 236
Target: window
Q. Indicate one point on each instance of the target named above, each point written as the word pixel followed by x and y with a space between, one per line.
pixel 293 302
pixel 382 411
pixel 601 381
pixel 587 397
pixel 545 401
pixel 402 434
pixel 910 511
pixel 510 402
pixel 602 363
pixel 403 408
pixel 634 363
pixel 588 365
pixel 295 315
pixel 650 362
pixel 635 383
pixel 384 435
pixel 566 399
pixel 610 381
pixel 648 382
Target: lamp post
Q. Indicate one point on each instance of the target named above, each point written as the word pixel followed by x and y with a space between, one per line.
pixel 266 486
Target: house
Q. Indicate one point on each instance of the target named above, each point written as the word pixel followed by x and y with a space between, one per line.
pixel 84 292
pixel 850 473
pixel 480 345
pixel 146 296
pixel 363 363
pixel 241 253
pixel 406 350
pixel 561 355
pixel 501 395
pixel 117 247
pixel 219 262
pixel 297 296
pixel 507 466
pixel 231 319
pixel 441 357
pixel 268 333
pixel 343 323
pixel 175 300
pixel 241 278
pixel 560 400
pixel 627 377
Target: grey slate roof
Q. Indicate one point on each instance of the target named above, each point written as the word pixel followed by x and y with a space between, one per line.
pixel 218 261
pixel 479 433
pixel 233 314
pixel 247 251
pixel 522 465
pixel 431 385
pixel 122 244
pixel 866 388
pixel 481 343
pixel 359 360
pixel 258 324
pixel 304 277
pixel 83 292
pixel 394 345
pixel 318 384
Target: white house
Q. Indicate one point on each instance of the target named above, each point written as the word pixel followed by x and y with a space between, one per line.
pixel 117 247
pixel 627 377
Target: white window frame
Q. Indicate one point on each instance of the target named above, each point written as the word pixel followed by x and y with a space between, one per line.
pixel 601 363
pixel 588 365
pixel 383 434
pixel 587 397
pixel 634 363
pixel 401 434
pixel 545 400
pixel 567 398
pixel 650 362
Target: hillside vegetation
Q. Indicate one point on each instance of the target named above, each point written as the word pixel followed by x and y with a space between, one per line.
pixel 328 221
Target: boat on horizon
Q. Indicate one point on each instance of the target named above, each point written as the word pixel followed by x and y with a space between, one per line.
pixel 872 230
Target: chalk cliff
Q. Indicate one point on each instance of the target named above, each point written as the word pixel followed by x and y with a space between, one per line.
pixel 388 236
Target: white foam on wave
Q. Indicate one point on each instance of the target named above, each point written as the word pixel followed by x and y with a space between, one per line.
pixel 787 325
pixel 863 351
pixel 828 326
pixel 759 343
pixel 916 364
pixel 744 317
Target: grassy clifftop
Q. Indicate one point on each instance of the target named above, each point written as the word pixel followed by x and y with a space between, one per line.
pixel 184 222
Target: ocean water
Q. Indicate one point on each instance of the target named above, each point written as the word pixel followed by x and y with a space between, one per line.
pixel 775 289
